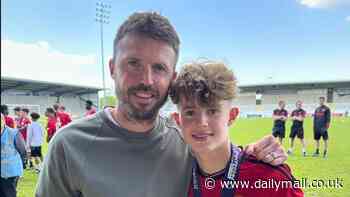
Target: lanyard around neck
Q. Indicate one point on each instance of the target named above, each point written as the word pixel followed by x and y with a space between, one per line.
pixel 230 174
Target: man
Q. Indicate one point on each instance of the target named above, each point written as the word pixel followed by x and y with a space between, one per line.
pixel 322 119
pixel 24 122
pixel 63 118
pixel 9 121
pixel 279 116
pixel 90 109
pixel 17 111
pixel 130 150
pixel 297 129
pixel 51 125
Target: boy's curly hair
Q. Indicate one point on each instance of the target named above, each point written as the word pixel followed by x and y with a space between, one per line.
pixel 208 82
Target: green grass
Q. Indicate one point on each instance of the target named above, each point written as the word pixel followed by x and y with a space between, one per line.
pixel 245 131
pixel 337 165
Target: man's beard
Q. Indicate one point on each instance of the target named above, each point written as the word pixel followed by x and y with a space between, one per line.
pixel 132 111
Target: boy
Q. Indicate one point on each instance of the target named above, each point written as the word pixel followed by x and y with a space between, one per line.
pixel 280 116
pixel 297 129
pixel 203 93
pixel 23 123
pixel 17 111
pixel 63 118
pixel 51 123
pixel 90 109
pixel 35 136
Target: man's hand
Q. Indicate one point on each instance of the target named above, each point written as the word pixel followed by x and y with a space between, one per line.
pixel 269 150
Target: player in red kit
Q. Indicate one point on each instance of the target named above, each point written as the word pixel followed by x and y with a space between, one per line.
pixel 297 129
pixel 51 123
pixel 203 93
pixel 63 117
pixel 9 121
pixel 24 122
pixel 90 109
pixel 279 116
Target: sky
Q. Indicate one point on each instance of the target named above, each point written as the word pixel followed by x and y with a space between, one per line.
pixel 263 41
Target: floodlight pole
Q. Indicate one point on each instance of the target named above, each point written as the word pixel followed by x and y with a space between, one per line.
pixel 102 17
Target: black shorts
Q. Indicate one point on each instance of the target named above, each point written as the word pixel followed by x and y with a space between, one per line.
pixel 297 131
pixel 320 132
pixel 279 132
pixel 35 151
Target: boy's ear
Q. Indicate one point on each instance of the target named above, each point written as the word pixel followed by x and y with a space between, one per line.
pixel 176 117
pixel 233 115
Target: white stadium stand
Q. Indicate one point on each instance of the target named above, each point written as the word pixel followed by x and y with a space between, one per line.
pixel 38 95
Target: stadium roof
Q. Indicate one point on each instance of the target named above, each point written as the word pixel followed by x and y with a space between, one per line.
pixel 35 87
pixel 296 85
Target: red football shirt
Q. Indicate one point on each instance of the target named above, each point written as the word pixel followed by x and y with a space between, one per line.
pixel 9 122
pixel 51 127
pixel 22 125
pixel 64 118
pixel 254 179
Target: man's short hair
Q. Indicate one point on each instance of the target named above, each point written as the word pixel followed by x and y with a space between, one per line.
pixel 17 109
pixel 148 24
pixel 25 110
pixel 35 116
pixel 208 82
pixel 88 102
pixel 322 97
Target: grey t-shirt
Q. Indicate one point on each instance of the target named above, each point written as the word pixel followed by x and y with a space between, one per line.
pixel 93 157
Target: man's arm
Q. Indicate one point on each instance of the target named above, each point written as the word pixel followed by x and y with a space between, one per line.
pixel 328 118
pixel 20 145
pixel 275 116
pixel 29 135
pixel 269 150
pixel 54 179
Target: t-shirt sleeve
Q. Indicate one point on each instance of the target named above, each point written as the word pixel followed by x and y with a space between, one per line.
pixel 54 179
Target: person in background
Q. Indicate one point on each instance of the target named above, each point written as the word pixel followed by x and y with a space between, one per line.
pixel 297 129
pixel 90 108
pixel 279 116
pixel 322 119
pixel 17 111
pixel 51 123
pixel 12 149
pixel 24 122
pixel 9 121
pixel 63 118
pixel 35 138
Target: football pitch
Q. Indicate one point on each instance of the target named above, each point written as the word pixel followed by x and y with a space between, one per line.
pixel 318 171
